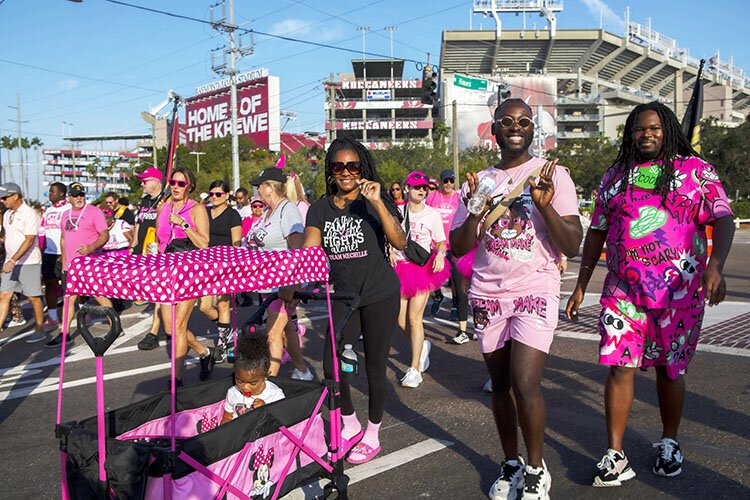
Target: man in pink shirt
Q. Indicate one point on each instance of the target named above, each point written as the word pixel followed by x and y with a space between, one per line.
pixel 84 232
pixel 515 288
pixel 652 209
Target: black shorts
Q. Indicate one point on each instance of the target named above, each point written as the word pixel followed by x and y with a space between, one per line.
pixel 51 267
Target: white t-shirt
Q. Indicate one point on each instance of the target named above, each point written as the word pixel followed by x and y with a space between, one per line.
pixel 18 224
pixel 271 233
pixel 425 228
pixel 237 403
pixel 245 212
pixel 117 239
pixel 53 216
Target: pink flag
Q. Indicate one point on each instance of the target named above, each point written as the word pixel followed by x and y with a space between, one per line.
pixel 282 161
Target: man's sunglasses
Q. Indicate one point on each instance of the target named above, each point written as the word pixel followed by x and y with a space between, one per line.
pixel 144 181
pixel 353 167
pixel 77 195
pixel 216 194
pixel 175 182
pixel 448 181
pixel 507 122
pixel 257 205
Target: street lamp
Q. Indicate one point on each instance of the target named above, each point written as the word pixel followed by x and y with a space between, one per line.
pixel 197 159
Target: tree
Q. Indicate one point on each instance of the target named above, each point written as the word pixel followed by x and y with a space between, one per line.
pixel 726 149
pixel 586 159
pixel 7 143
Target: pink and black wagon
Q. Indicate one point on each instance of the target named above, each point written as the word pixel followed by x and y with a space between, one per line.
pixel 168 446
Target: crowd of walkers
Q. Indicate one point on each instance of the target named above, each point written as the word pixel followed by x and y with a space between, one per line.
pixel 395 248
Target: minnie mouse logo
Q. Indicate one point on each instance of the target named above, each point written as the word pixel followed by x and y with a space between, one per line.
pixel 261 464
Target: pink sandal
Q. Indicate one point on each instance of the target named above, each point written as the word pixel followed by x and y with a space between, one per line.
pixel 362 453
pixel 348 444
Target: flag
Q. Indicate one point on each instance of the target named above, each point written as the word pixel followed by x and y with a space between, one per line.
pixel 282 161
pixel 691 122
pixel 174 139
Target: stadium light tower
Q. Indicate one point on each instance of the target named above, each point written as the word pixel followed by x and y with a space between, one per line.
pixel 545 8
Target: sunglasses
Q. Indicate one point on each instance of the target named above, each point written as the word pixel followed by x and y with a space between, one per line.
pixel 421 188
pixel 353 167
pixel 78 195
pixel 144 181
pixel 507 122
pixel 257 205
pixel 395 189
pixel 175 182
pixel 432 188
pixel 216 194
pixel 448 181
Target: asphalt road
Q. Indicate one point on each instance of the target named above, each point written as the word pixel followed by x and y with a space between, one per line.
pixel 439 440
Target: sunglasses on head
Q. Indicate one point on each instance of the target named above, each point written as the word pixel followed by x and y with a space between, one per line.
pixel 448 181
pixel 257 205
pixel 216 194
pixel 353 167
pixel 175 182
pixel 507 122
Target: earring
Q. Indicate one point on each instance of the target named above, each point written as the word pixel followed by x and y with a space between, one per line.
pixel 330 179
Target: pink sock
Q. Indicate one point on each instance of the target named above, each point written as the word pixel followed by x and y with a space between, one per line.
pixel 371 437
pixel 351 426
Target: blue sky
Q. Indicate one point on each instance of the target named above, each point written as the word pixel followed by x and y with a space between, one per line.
pixel 98 64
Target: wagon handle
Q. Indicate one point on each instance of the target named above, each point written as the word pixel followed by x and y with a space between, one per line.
pixel 99 345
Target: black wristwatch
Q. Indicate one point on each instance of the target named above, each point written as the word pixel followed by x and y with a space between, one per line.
pixel 185 226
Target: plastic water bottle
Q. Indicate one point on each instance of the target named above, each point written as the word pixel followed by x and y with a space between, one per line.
pixel 484 189
pixel 349 364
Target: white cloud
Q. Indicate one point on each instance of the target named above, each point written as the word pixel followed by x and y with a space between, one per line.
pixel 300 28
pixel 68 84
pixel 599 8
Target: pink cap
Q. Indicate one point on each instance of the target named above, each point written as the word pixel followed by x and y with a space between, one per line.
pixel 417 178
pixel 151 173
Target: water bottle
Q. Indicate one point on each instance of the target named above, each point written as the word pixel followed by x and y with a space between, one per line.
pixel 484 189
pixel 348 362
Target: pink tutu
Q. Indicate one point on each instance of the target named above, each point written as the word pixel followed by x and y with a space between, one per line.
pixel 465 263
pixel 416 279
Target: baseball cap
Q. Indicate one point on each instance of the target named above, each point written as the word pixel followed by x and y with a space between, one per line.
pixel 76 189
pixel 447 174
pixel 10 188
pixel 268 174
pixel 256 199
pixel 417 178
pixel 151 173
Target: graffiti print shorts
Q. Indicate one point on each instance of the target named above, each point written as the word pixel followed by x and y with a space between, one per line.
pixel 638 337
pixel 529 319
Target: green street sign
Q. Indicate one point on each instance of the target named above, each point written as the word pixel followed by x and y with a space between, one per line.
pixel 468 82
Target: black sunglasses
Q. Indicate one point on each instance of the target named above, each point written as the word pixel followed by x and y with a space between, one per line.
pixel 353 167
pixel 507 122
pixel 77 195
pixel 448 181
pixel 423 187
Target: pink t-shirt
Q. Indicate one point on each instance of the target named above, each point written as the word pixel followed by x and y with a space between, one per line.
pixel 656 251
pixel 426 228
pixel 165 230
pixel 517 256
pixel 81 227
pixel 446 205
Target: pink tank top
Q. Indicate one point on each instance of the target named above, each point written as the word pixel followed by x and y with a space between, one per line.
pixel 166 232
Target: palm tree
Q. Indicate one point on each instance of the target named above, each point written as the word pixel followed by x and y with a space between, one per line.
pixel 25 145
pixel 8 143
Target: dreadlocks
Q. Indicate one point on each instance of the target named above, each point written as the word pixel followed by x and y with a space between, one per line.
pixel 674 144
pixel 367 170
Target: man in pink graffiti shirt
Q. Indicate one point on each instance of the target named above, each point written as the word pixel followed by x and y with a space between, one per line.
pixel 515 288
pixel 652 210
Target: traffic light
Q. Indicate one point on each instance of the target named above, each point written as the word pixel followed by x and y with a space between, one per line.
pixel 429 86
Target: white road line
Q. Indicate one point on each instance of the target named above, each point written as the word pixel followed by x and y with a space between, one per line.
pixel 374 467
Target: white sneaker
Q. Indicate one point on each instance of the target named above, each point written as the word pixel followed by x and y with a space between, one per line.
pixel 424 358
pixel 12 323
pixel 300 375
pixel 510 483
pixel 412 378
pixel 537 482
pixel 488 386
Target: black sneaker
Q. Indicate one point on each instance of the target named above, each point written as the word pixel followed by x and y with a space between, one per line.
pixel 207 364
pixel 510 483
pixel 57 342
pixel 613 469
pixel 472 335
pixel 454 314
pixel 668 458
pixel 439 297
pixel 148 343
pixel 537 482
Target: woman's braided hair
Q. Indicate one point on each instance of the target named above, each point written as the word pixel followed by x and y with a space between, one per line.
pixel 674 144
pixel 367 170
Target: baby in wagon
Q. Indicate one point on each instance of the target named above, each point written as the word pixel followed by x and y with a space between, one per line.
pixel 251 390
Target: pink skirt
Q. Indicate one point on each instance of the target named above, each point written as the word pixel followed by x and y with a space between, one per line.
pixel 418 279
pixel 465 263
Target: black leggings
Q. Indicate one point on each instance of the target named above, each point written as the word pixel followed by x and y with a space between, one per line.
pixel 376 322
pixel 460 300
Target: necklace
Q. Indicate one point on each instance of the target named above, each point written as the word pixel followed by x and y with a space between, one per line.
pixel 73 226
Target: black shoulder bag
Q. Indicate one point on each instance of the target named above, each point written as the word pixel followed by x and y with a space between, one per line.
pixel 414 251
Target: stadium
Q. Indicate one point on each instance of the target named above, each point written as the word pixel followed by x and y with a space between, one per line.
pixel 581 83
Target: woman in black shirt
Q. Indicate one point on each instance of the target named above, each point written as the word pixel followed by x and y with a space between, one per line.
pixel 352 224
pixel 225 228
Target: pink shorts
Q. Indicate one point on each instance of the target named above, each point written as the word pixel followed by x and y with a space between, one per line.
pixel 640 337
pixel 529 319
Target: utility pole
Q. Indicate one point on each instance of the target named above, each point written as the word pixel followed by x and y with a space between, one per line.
pixel 454 133
pixel 234 51
pixel 332 99
pixel 198 155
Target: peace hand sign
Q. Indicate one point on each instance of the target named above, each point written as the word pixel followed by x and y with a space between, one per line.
pixel 542 192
